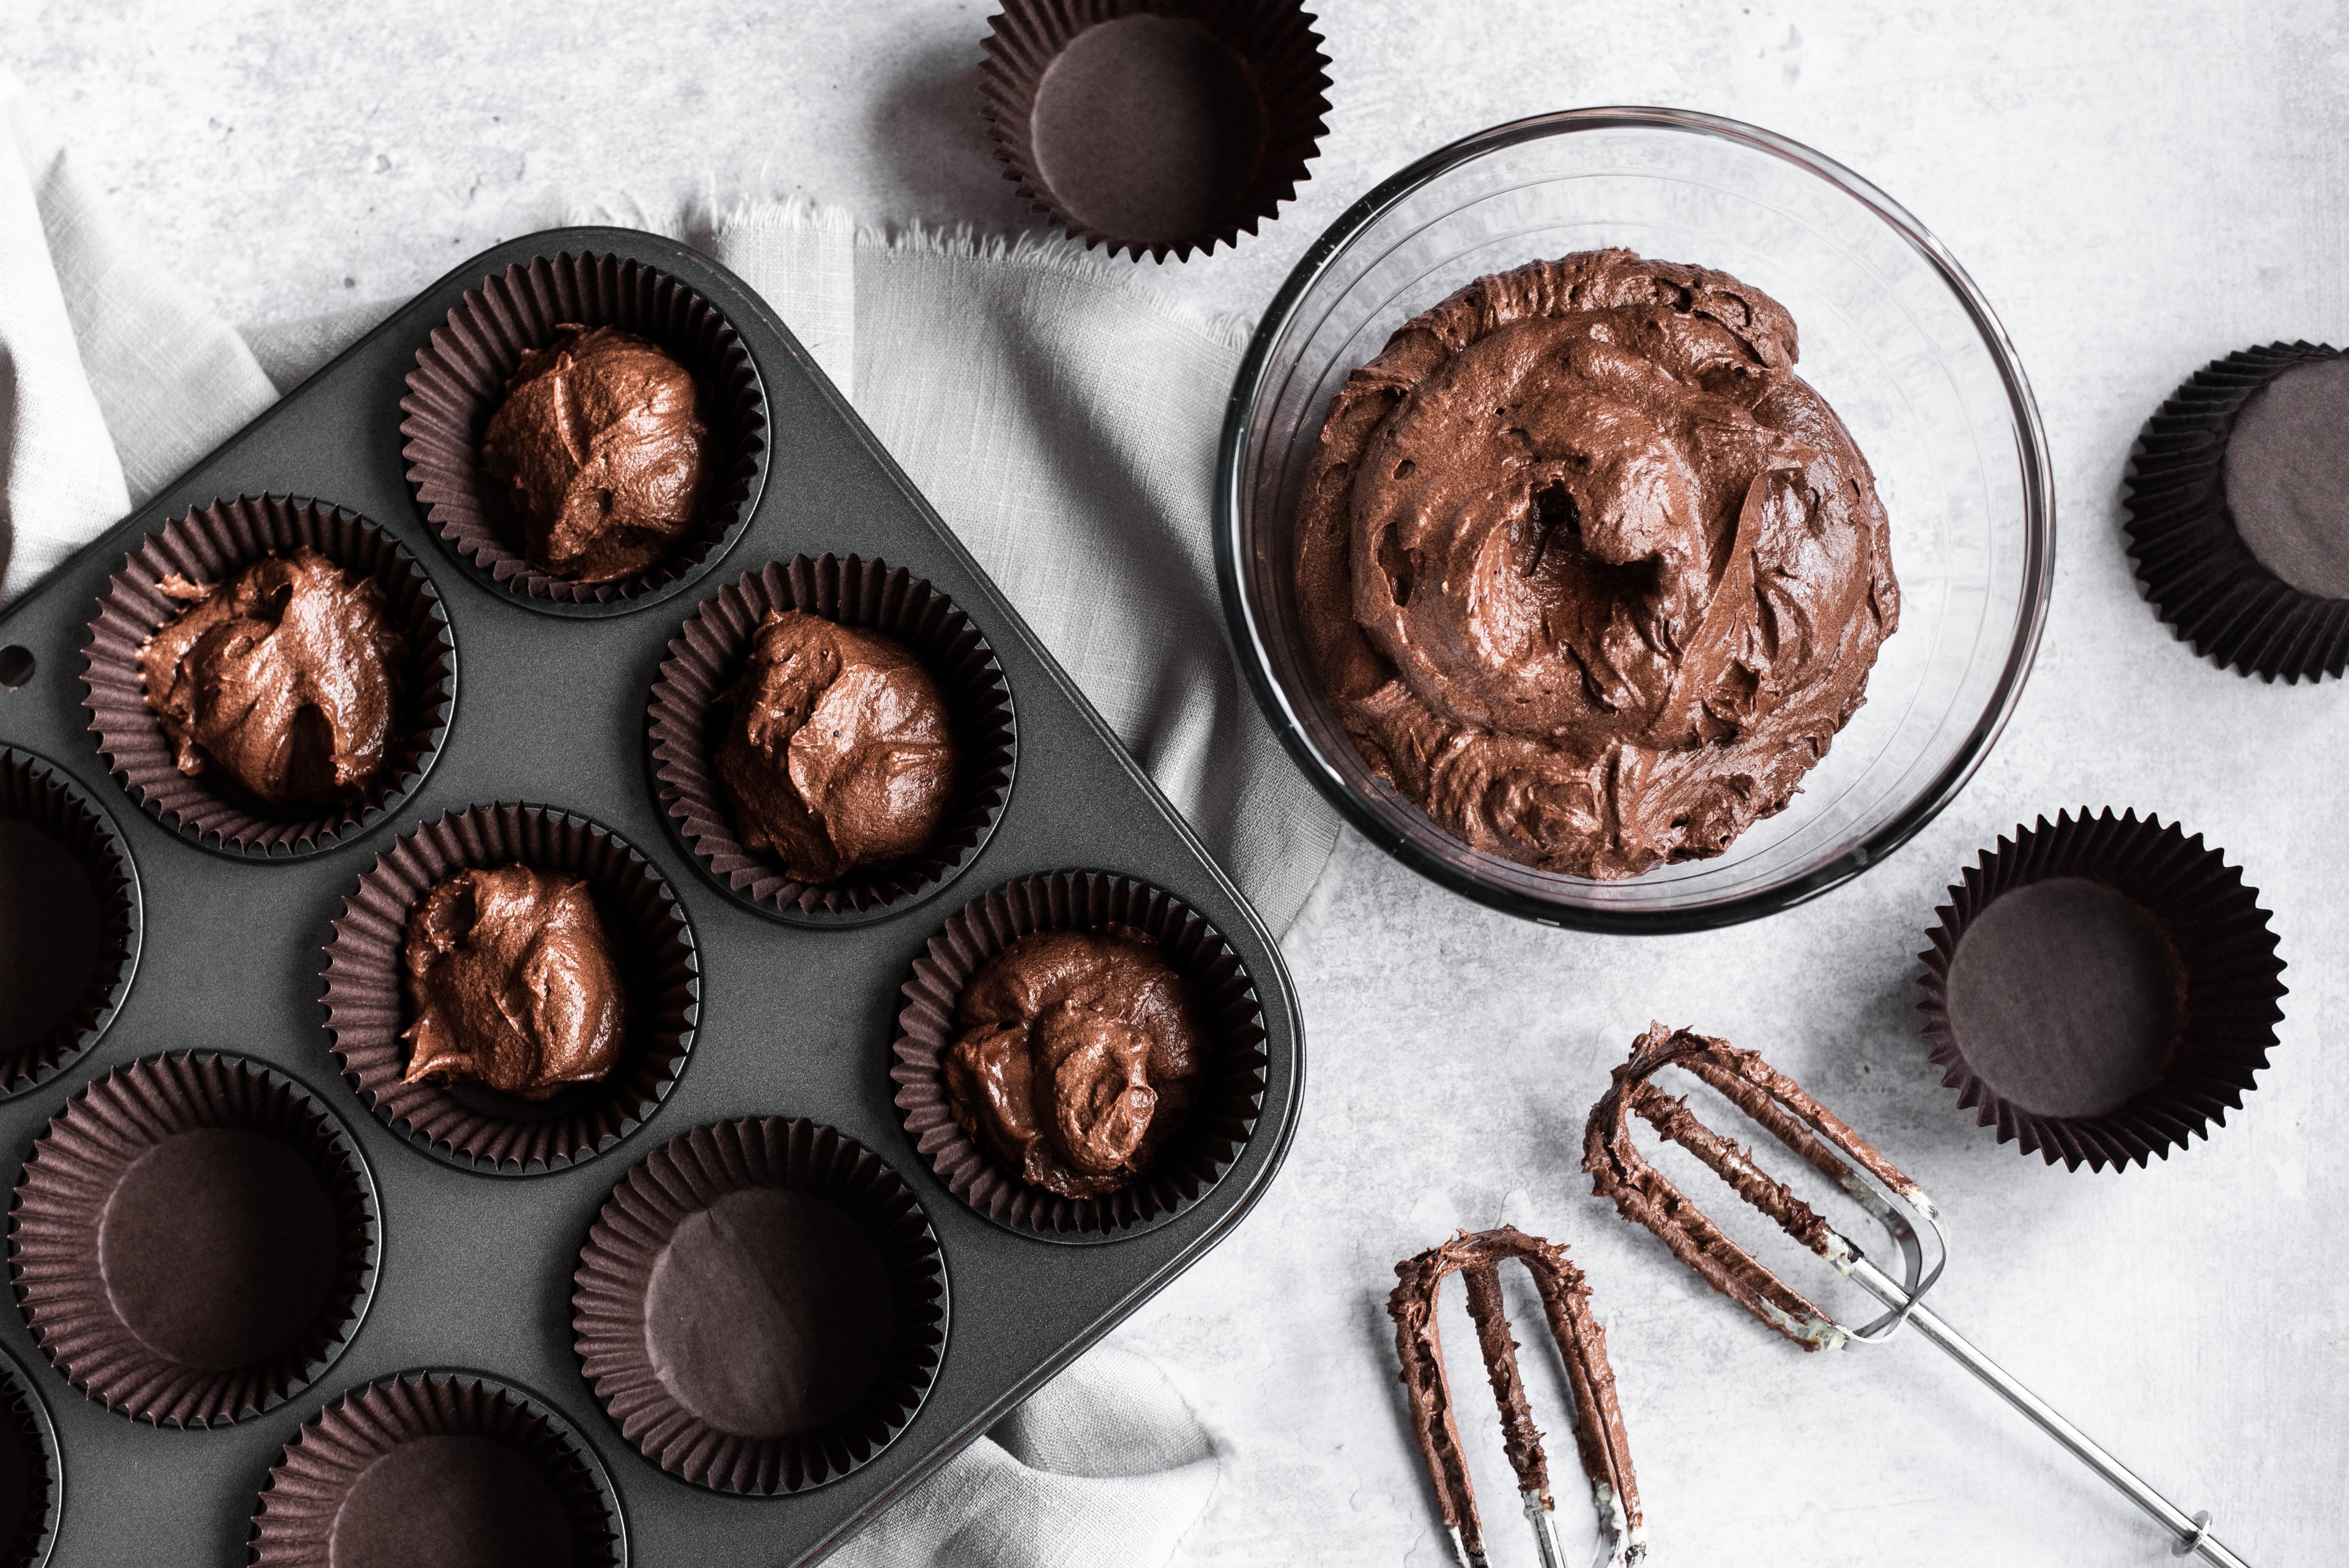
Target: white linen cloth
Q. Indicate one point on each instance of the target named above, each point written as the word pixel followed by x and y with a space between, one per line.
pixel 1062 420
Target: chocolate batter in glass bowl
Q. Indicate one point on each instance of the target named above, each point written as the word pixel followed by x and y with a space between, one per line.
pixel 1927 402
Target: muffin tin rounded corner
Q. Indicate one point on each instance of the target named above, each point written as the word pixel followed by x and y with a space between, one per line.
pixel 208 543
pixel 77 1311
pixel 1223 1123
pixel 363 999
pixel 704 660
pixel 632 1252
pixel 459 375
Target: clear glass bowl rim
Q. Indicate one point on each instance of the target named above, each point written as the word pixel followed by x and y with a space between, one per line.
pixel 2038 484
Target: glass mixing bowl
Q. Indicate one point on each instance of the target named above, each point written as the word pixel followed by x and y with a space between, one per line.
pixel 1893 335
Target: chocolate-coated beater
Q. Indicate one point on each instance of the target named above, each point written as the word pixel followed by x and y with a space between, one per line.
pixel 1599 1425
pixel 1779 1104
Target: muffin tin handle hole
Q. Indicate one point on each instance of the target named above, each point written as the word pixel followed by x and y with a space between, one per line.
pixel 16 665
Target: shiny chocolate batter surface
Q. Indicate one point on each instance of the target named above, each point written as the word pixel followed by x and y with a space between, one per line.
pixel 1590 573
pixel 281 682
pixel 513 982
pixel 1080 1055
pixel 600 444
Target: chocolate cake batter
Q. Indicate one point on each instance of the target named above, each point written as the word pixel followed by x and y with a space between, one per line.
pixel 1599 1436
pixel 513 983
pixel 283 683
pixel 1646 1196
pixel 1080 1056
pixel 1589 573
pixel 838 753
pixel 600 444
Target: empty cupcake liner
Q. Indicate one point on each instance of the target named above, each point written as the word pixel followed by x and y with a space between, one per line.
pixel 1188 58
pixel 1192 1159
pixel 406 1453
pixel 213 543
pixel 689 714
pixel 34 792
pixel 459 380
pixel 2192 561
pixel 2144 969
pixel 84 1226
pixel 631 1239
pixel 32 1477
pixel 368 1004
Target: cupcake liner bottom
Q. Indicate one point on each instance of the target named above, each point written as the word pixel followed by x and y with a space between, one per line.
pixel 2102 989
pixel 448 1468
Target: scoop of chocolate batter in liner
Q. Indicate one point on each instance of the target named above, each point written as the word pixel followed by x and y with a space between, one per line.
pixel 839 752
pixel 602 447
pixel 1589 573
pixel 371 1006
pixel 514 983
pixel 1137 1182
pixel 460 382
pixel 1080 1058
pixel 693 715
pixel 270 682
pixel 281 682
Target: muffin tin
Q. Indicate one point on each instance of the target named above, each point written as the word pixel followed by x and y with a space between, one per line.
pixel 473 1251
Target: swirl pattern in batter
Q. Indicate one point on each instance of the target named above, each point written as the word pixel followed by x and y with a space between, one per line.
pixel 1589 573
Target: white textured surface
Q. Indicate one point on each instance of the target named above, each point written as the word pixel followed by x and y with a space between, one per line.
pixel 2137 189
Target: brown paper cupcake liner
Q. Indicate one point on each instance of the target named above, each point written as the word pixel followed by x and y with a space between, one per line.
pixel 368 1004
pixel 690 712
pixel 2192 561
pixel 194 1239
pixel 32 1477
pixel 34 793
pixel 461 378
pixel 633 1254
pixel 1192 1159
pixel 1141 180
pixel 208 545
pixel 2121 995
pixel 442 1467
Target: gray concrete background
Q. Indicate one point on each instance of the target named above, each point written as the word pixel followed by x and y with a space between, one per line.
pixel 2137 189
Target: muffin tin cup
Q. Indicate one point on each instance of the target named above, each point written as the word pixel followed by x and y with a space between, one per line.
pixel 2124 984
pixel 476 1468
pixel 2192 561
pixel 32 1479
pixel 690 712
pixel 368 1004
pixel 34 793
pixel 1192 56
pixel 163 1246
pixel 632 1238
pixel 210 545
pixel 460 381
pixel 1192 1160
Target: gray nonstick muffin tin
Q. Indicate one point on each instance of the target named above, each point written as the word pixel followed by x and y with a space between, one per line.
pixel 473 1268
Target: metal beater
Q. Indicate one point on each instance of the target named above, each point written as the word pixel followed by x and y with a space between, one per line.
pixel 1814 1134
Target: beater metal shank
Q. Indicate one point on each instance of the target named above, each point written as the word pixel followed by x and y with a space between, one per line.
pixel 1815 1135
